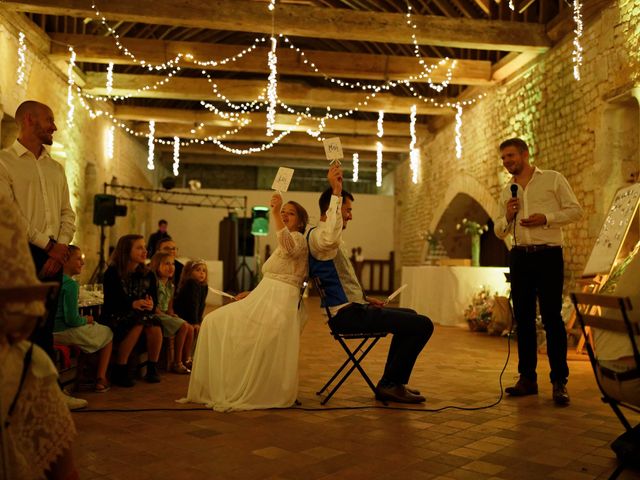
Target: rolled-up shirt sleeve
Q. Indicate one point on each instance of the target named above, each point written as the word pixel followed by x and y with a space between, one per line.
pixel 501 227
pixel 570 210
pixel 325 239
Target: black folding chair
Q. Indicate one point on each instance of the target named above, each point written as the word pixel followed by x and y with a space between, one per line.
pixel 354 357
pixel 589 312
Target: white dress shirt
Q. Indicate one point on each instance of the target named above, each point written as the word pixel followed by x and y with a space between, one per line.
pixel 549 193
pixel 39 188
pixel 325 240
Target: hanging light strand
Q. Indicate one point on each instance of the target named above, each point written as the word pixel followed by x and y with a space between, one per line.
pixel 458 132
pixel 414 153
pixel 109 78
pixel 576 55
pixel 22 49
pixel 70 84
pixel 356 166
pixel 151 144
pixel 176 155
pixel 272 89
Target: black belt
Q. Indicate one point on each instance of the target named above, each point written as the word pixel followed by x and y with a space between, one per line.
pixel 535 248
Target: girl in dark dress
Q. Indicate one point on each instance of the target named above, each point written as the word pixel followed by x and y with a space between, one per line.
pixel 130 297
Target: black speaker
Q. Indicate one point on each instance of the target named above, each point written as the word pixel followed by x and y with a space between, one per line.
pixel 105 210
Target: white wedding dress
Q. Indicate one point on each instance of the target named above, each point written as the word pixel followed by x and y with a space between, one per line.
pixel 247 352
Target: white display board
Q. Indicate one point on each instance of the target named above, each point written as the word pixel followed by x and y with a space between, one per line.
pixel 613 231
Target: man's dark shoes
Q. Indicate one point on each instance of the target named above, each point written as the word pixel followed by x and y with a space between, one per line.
pixel 560 394
pixel 397 393
pixel 412 390
pixel 523 387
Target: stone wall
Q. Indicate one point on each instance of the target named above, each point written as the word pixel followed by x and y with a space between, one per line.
pixel 565 122
pixel 79 146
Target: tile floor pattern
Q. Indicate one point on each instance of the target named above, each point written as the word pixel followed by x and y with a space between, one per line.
pixel 527 438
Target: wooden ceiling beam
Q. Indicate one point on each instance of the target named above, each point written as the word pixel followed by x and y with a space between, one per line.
pixel 258 120
pixel 313 22
pixel 291 93
pixel 90 48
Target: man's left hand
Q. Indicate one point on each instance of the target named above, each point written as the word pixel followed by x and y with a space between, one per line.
pixel 50 268
pixel 376 302
pixel 535 220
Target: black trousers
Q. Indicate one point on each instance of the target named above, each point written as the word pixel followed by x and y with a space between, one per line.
pixel 539 276
pixel 411 332
pixel 43 333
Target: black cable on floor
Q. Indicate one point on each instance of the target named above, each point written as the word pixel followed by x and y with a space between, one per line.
pixel 328 409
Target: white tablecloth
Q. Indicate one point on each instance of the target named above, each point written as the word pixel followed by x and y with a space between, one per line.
pixel 442 293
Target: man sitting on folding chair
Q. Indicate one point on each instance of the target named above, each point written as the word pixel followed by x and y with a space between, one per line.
pixel 352 311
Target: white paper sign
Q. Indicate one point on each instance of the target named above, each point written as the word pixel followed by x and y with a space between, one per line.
pixel 395 294
pixel 333 148
pixel 221 293
pixel 283 179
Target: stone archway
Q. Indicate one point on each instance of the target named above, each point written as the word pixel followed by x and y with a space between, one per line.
pixel 468 198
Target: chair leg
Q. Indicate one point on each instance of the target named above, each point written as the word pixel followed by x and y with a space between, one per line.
pixel 335 375
pixel 356 364
pixel 616 473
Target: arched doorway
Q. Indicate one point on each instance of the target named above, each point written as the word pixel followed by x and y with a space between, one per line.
pixel 493 252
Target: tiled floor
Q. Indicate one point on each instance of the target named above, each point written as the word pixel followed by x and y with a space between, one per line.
pixel 527 438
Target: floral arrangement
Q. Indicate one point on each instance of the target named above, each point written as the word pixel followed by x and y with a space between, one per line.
pixel 472 228
pixel 478 313
pixel 432 238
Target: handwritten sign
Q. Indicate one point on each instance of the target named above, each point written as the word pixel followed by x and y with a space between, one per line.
pixel 333 149
pixel 283 179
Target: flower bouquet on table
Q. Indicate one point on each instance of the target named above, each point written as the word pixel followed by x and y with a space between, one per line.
pixel 433 248
pixel 478 313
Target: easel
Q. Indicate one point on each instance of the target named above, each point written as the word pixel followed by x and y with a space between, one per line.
pixel 613 243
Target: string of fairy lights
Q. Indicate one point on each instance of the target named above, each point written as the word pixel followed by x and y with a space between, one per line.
pixel 268 97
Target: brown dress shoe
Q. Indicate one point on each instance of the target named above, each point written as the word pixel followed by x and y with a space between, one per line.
pixel 397 393
pixel 412 390
pixel 560 394
pixel 523 387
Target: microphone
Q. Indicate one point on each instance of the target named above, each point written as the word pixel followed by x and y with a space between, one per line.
pixel 514 190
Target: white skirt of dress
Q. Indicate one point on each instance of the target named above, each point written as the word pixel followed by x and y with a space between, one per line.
pixel 247 352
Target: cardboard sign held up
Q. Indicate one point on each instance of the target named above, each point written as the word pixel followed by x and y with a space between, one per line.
pixel 333 149
pixel 283 179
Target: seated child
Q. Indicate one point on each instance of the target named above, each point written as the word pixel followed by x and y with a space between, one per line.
pixel 191 295
pixel 72 329
pixel 162 264
pixel 130 296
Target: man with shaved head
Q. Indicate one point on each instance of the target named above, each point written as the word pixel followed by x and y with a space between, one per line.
pixel 38 186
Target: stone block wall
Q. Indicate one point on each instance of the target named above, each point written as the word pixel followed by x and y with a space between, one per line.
pixel 564 122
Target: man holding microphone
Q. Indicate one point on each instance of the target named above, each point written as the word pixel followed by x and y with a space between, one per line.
pixel 536 204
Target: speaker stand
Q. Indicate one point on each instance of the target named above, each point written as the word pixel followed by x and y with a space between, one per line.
pixel 98 273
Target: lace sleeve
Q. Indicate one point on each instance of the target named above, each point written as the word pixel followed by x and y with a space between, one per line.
pixel 292 243
pixel 40 429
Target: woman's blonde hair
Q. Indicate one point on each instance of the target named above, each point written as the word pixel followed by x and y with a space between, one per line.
pixel 157 260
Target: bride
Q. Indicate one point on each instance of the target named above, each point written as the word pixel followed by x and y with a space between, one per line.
pixel 247 352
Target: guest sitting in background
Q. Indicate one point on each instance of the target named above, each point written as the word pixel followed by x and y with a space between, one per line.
pixel 191 294
pixel 72 329
pixel 130 297
pixel 172 325
pixel 167 245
